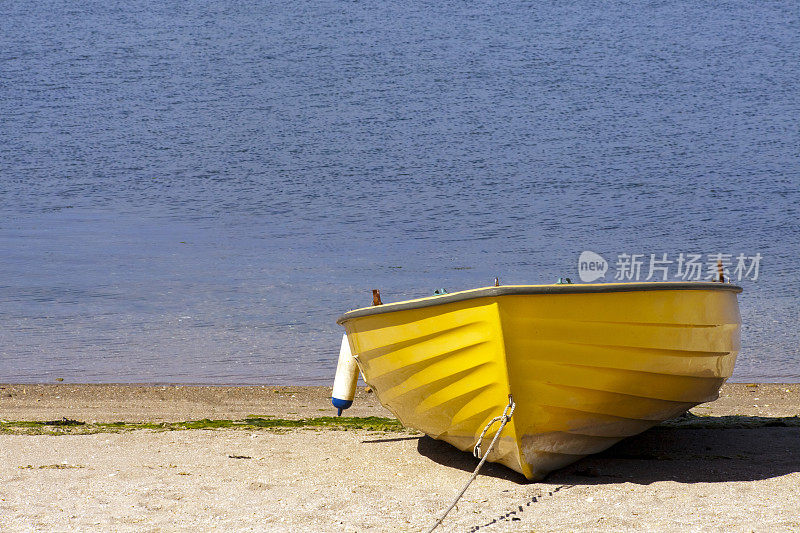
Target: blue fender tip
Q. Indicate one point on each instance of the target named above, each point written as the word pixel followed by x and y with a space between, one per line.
pixel 340 404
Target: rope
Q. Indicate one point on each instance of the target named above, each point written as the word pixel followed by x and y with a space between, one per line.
pixel 476 451
pixel 504 418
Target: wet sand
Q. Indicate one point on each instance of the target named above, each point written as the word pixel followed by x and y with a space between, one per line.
pixel 667 479
pixel 172 403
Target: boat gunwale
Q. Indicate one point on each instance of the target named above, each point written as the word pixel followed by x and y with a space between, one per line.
pixel 518 290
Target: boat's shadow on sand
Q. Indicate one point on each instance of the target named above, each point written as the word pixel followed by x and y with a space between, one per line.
pixel 698 449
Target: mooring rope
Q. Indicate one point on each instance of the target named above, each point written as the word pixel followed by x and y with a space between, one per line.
pixel 504 418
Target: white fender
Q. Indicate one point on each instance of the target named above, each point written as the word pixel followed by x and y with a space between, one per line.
pixel 344 385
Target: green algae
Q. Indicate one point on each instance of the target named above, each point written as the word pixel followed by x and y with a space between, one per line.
pixel 66 426
pixel 74 427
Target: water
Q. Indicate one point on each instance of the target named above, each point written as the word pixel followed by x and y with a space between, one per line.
pixel 194 193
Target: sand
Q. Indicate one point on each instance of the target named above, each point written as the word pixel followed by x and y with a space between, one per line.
pixel 667 479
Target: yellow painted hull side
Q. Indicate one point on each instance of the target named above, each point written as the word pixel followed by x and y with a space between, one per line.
pixel 585 369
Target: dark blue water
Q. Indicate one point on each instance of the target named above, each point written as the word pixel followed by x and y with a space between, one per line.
pixel 194 192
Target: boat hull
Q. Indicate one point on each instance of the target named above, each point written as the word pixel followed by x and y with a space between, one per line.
pixel 586 369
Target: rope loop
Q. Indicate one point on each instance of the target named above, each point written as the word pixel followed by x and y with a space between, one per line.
pixel 505 417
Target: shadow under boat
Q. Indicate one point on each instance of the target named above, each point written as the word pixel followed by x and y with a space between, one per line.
pixel 689 449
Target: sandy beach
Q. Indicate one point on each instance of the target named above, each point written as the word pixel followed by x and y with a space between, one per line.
pixel 734 466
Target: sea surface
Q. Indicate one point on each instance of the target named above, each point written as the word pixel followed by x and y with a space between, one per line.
pixel 193 192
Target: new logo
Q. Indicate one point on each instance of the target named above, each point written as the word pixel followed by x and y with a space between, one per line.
pixel 591 266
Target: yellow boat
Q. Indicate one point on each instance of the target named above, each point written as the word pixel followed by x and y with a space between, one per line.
pixel 587 365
